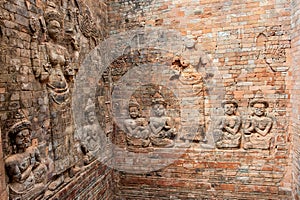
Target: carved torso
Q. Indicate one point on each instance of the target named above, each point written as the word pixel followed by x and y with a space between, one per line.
pixel 57 60
pixel 231 122
pixel 91 137
pixel 20 168
pixel 158 123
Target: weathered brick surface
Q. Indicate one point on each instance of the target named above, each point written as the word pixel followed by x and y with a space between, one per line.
pixel 3 191
pixel 295 95
pixel 19 88
pixel 96 182
pixel 238 38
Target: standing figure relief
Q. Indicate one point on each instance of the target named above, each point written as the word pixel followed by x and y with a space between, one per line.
pixel 53 67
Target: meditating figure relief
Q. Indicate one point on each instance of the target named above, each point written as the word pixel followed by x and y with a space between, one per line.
pixel 137 128
pixel 258 127
pixel 161 126
pixel 228 128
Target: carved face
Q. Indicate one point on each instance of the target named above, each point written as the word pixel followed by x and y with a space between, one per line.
pixel 54 29
pixel 91 117
pixel 159 110
pixel 22 139
pixel 259 109
pixel 229 109
pixel 134 112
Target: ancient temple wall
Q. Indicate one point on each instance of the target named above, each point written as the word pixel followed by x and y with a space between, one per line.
pixel 2 177
pixel 200 56
pixel 246 46
pixel 23 34
pixel 294 86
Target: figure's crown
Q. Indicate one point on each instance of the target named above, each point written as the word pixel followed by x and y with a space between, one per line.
pixel 259 98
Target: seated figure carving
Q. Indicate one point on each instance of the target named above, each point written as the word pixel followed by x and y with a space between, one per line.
pixel 228 127
pixel 25 168
pixel 137 127
pixel 90 139
pixel 161 127
pixel 258 127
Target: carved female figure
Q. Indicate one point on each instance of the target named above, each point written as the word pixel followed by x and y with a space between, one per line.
pixel 136 127
pixel 257 129
pixel 161 126
pixel 55 70
pixel 229 125
pixel 25 169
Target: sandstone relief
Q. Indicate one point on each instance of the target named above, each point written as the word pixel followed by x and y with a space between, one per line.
pixel 25 168
pixel 257 128
pixel 228 128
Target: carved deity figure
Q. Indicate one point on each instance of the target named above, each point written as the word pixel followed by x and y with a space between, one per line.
pixel 52 66
pixel 191 91
pixel 161 127
pixel 258 127
pixel 25 168
pixel 90 135
pixel 137 127
pixel 228 128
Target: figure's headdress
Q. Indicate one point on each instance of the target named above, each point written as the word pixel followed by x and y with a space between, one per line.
pixel 52 13
pixel 158 99
pixel 133 103
pixel 229 99
pixel 259 98
pixel 19 123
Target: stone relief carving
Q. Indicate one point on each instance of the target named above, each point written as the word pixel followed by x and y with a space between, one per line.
pixel 228 128
pixel 257 128
pixel 25 168
pixel 190 82
pixel 161 126
pixel 53 67
pixel 274 51
pixel 90 136
pixel 137 127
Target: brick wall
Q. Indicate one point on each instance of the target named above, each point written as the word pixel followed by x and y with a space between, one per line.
pixel 3 191
pixel 236 39
pixel 294 86
pixel 20 89
pixel 233 36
